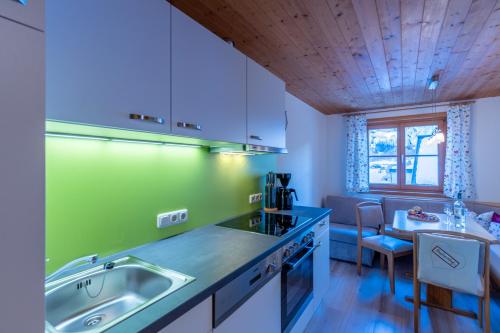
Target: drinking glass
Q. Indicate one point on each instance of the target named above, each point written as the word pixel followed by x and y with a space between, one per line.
pixel 448 210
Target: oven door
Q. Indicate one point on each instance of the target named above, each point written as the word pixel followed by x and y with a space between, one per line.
pixel 296 285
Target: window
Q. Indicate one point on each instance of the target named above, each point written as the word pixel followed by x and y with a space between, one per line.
pixel 402 155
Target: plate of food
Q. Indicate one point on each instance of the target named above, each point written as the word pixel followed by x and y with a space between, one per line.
pixel 417 214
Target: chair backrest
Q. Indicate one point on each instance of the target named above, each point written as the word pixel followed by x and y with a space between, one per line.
pixel 454 261
pixel 369 214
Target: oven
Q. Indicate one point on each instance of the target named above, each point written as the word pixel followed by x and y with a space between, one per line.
pixel 296 280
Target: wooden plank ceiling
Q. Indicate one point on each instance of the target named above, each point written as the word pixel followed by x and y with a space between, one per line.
pixel 343 55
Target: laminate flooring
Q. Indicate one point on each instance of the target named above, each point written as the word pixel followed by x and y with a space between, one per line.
pixel 364 304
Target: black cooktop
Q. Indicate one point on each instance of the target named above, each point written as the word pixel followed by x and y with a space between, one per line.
pixel 265 223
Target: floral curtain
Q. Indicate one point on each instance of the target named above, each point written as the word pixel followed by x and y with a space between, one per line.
pixel 458 164
pixel 357 154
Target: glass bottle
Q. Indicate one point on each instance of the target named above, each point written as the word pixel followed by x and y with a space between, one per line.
pixel 459 211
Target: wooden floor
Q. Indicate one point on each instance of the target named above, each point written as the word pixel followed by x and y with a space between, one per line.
pixel 364 304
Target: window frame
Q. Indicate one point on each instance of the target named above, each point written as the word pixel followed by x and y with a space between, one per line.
pixel 400 123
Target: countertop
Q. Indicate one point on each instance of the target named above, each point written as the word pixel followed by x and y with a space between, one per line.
pixel 213 255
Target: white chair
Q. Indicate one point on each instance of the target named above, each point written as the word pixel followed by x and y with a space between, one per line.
pixel 370 214
pixel 454 261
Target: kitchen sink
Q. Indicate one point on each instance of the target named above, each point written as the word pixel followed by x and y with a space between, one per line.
pixel 98 298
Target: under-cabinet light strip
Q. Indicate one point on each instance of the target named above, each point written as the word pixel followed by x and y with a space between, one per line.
pixel 104 138
pixel 236 153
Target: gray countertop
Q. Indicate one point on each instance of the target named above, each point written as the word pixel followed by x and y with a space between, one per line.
pixel 213 255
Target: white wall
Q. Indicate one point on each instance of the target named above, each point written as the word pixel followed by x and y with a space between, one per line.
pixel 336 134
pixel 485 147
pixel 306 158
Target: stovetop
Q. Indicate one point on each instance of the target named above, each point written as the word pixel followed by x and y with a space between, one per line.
pixel 265 223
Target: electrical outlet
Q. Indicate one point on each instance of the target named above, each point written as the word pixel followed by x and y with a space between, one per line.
pixel 183 215
pixel 254 198
pixel 167 219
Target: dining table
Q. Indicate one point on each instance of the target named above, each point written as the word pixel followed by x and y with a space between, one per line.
pixel 439 297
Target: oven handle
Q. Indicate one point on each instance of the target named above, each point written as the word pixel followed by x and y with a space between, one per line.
pixel 310 251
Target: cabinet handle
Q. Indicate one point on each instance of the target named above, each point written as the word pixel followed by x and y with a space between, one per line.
pixel 322 223
pixel 143 117
pixel 255 137
pixel 189 126
pixel 286 120
pixel 319 244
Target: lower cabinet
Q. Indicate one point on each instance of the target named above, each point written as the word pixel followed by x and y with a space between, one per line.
pixel 260 313
pixel 196 320
pixel 321 264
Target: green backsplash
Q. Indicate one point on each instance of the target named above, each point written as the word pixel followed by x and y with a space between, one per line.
pixel 103 197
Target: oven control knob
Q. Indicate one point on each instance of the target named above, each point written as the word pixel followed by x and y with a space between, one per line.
pixel 287 253
pixel 270 268
pixel 291 249
pixel 296 245
pixel 305 239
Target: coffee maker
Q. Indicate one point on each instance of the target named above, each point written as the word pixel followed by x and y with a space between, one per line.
pixel 284 199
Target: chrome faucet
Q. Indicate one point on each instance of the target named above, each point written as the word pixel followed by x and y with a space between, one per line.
pixel 92 259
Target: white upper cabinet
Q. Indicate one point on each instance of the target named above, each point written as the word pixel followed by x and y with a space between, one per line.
pixel 265 107
pixel 28 12
pixel 109 61
pixel 208 83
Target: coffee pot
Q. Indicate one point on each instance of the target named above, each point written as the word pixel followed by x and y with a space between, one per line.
pixel 284 198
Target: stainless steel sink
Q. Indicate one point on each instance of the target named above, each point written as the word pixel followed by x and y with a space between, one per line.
pixel 98 298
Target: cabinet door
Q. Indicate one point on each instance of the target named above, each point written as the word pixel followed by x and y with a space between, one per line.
pixel 321 266
pixel 107 60
pixel 208 83
pixel 28 12
pixel 196 320
pixel 260 313
pixel 21 178
pixel 265 107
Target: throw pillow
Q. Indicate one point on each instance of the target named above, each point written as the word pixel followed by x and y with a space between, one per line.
pixel 484 219
pixel 495 229
pixel 495 217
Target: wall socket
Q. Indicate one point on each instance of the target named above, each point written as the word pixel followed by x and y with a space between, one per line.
pixel 254 198
pixel 167 219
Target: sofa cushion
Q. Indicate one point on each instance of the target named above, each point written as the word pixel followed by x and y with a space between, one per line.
pixel 480 207
pixel 495 263
pixel 349 252
pixel 389 231
pixel 392 204
pixel 344 207
pixel 349 233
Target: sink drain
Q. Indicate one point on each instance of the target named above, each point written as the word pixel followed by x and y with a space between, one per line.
pixel 93 320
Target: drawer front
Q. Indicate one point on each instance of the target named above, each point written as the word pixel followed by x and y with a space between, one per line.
pixel 321 226
pixel 29 12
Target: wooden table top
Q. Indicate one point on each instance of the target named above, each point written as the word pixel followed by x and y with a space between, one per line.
pixel 404 224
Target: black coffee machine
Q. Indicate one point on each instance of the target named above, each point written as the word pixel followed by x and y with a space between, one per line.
pixel 284 199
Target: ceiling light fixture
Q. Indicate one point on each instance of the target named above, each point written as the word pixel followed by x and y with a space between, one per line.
pixel 437 135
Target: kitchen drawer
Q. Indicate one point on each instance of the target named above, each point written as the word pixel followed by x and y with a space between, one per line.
pixel 321 226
